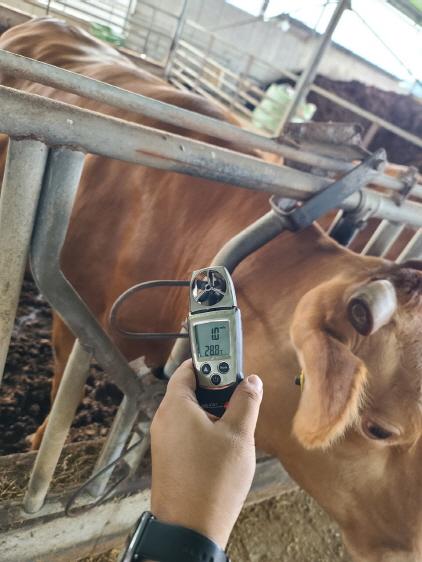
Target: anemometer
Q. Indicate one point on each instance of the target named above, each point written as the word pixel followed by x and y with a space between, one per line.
pixel 215 332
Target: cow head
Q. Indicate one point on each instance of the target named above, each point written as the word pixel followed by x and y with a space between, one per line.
pixel 359 342
pixel 360 346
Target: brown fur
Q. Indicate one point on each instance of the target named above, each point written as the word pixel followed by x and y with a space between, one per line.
pixel 131 224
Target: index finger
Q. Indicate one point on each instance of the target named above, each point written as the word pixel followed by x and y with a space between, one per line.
pixel 182 386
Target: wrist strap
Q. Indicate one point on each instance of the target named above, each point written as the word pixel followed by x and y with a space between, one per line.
pixel 162 542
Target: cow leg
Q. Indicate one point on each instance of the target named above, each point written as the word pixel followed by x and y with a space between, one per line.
pixel 62 341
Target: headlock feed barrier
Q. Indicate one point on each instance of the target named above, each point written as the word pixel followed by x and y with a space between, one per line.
pixel 48 142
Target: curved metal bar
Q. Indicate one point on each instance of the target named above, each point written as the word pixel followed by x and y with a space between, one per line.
pixel 60 185
pixel 59 189
pixel 132 291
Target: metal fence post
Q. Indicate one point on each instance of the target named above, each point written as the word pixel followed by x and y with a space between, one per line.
pixel 383 238
pixel 59 190
pixel 176 38
pixel 59 422
pixel 18 203
pixel 413 250
pixel 309 73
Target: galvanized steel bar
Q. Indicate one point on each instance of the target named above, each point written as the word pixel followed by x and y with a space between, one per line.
pixel 176 38
pixel 413 250
pixel 18 203
pixel 383 239
pixel 116 440
pixel 308 75
pixel 59 189
pixel 59 421
pixel 37 71
pixel 60 124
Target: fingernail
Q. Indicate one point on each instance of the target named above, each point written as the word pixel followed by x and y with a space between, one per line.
pixel 255 382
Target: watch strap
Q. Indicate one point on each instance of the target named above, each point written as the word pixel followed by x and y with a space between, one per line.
pixel 164 542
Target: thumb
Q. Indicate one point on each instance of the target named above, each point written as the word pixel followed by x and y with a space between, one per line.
pixel 243 409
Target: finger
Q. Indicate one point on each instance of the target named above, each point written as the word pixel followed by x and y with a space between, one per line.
pixel 242 413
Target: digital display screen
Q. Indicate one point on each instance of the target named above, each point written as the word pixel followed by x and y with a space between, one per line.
pixel 213 339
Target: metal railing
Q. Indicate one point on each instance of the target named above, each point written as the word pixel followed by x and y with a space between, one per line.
pixel 140 26
pixel 196 65
pixel 50 138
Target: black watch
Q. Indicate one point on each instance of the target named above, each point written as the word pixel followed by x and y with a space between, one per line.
pixel 153 540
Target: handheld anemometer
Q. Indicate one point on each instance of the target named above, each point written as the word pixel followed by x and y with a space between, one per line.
pixel 215 332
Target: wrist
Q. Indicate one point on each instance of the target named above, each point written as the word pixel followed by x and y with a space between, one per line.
pixel 203 523
pixel 152 540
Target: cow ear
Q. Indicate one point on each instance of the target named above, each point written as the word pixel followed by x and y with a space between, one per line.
pixel 334 378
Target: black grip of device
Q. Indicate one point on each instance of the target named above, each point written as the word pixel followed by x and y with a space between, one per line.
pixel 215 401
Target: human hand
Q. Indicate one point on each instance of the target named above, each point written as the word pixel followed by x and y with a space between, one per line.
pixel 202 467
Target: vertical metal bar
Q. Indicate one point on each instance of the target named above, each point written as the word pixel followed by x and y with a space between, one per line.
pixel 309 73
pixel 413 250
pixel 149 31
pixel 21 187
pixel 59 189
pixel 134 458
pixel 383 238
pixel 60 419
pixel 176 38
pixel 370 134
pixel 119 433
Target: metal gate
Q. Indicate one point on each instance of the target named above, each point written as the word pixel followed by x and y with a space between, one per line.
pixel 48 143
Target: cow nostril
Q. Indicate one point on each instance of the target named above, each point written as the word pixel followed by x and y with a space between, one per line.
pixel 377 432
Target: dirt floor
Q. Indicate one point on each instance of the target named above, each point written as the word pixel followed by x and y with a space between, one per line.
pixel 289 528
pixel 25 392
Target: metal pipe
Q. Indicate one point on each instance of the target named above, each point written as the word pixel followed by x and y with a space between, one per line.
pixel 134 458
pixel 383 239
pixel 37 71
pixel 176 38
pixel 116 440
pixel 60 184
pixel 59 124
pixel 413 250
pixel 59 421
pixel 59 190
pixel 20 191
pixel 231 254
pixel 309 73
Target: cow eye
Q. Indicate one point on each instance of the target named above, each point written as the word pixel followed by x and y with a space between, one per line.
pixel 378 432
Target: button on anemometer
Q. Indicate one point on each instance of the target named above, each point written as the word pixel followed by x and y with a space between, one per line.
pixel 223 367
pixel 206 369
pixel 216 379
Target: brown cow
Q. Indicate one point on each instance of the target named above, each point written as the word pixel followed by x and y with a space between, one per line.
pixel 352 439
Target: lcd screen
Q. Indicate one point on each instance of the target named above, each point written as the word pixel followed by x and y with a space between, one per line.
pixel 213 339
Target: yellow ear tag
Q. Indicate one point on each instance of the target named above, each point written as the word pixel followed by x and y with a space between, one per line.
pixel 300 380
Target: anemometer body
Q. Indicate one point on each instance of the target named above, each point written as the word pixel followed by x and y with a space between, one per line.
pixel 215 332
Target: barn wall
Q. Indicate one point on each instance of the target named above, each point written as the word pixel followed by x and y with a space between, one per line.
pixel 290 49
